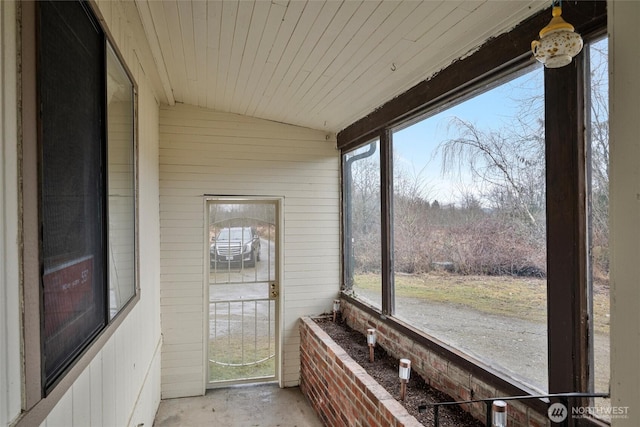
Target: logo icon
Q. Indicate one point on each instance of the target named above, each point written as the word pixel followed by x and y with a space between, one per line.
pixel 557 412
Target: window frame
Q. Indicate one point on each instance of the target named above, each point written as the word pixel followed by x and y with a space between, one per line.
pixel 567 261
pixel 38 402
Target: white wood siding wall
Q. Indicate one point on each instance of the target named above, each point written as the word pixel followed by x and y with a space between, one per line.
pixel 624 92
pixel 121 385
pixel 10 379
pixel 206 152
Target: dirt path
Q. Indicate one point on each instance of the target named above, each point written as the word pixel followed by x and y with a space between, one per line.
pixel 513 346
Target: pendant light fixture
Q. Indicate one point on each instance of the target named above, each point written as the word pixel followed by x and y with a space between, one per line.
pixel 559 43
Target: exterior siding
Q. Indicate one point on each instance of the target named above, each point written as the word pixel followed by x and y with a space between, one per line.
pixel 10 378
pixel 121 384
pixel 624 90
pixel 206 152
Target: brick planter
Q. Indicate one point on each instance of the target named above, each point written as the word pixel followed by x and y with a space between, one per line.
pixel 439 372
pixel 340 390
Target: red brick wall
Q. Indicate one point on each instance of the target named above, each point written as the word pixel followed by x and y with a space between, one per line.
pixel 339 389
pixel 439 372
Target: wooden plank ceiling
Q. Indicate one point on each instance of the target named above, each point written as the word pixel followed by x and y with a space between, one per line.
pixel 318 64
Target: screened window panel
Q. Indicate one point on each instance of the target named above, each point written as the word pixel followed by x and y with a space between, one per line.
pixel 72 185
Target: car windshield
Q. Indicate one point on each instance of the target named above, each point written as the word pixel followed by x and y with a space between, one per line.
pixel 234 234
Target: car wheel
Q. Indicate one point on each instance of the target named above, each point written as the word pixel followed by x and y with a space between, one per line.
pixel 252 261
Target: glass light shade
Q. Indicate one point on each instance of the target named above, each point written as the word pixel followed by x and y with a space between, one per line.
pixel 405 369
pixel 371 336
pixel 499 408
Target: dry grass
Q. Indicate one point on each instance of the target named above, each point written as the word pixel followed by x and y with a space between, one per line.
pixel 236 351
pixel 522 298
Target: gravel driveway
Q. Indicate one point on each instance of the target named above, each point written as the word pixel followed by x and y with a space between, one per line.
pixel 513 346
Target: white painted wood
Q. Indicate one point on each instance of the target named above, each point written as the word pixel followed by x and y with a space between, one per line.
pixel 254 37
pixel 200 42
pixel 158 59
pixel 172 17
pixel 62 414
pixel 285 29
pixel 242 156
pixel 186 19
pixel 240 36
pixel 296 74
pixel 227 28
pixel 319 64
pixel 96 392
pixel 292 51
pixel 319 76
pixel 121 384
pixel 214 17
pixel 365 46
pixel 10 361
pixel 624 89
pixel 81 400
pixel 276 14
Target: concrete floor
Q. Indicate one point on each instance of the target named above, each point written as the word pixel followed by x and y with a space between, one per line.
pixel 263 405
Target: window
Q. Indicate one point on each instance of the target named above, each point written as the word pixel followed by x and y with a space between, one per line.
pixel 495 223
pixel 598 196
pixel 469 227
pixel 121 184
pixel 86 184
pixel 362 244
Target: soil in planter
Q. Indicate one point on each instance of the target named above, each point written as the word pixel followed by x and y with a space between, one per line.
pixel 384 370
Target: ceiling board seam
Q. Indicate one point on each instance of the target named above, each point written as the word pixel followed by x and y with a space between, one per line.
pixel 150 30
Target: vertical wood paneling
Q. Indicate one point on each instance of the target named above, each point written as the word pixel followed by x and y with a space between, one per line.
pixel 81 400
pixel 207 152
pixel 62 414
pixel 96 392
pixel 109 391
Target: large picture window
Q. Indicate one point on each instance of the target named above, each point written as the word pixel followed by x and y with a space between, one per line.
pixel 493 204
pixel 469 227
pixel 86 183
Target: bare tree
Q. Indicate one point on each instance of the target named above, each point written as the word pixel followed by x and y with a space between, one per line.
pixel 599 159
pixel 507 164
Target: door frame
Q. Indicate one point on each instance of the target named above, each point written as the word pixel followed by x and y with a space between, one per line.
pixel 278 201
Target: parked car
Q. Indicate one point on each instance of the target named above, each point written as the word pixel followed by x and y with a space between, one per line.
pixel 236 245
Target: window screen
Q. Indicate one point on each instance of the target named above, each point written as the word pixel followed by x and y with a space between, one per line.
pixel 72 182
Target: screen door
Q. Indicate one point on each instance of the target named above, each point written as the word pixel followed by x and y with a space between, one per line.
pixel 243 290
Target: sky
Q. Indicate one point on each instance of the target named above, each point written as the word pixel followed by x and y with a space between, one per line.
pixel 415 147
